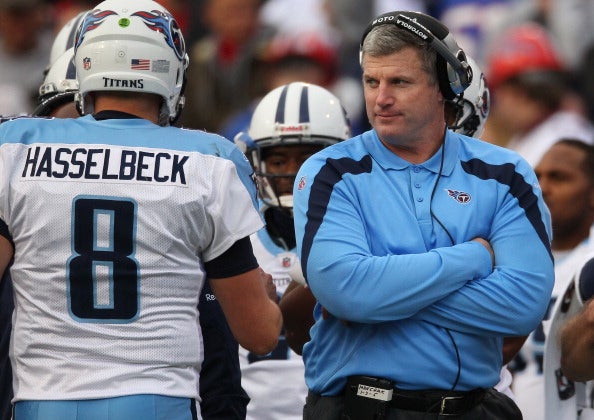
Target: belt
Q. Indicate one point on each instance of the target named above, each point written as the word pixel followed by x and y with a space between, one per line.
pixel 445 403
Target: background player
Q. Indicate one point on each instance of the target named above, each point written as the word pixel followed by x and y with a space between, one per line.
pixel 289 124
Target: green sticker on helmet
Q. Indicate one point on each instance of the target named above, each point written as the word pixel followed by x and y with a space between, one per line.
pixel 124 22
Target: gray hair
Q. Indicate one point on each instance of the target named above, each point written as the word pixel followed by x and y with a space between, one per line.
pixel 388 39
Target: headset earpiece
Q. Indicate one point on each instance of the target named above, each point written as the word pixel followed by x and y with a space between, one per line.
pixel 453 71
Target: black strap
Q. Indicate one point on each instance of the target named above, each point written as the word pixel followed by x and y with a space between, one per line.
pixel 439 402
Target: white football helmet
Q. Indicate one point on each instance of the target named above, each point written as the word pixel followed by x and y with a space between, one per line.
pixel 292 114
pixel 65 38
pixel 472 109
pixel 60 77
pixel 134 46
pixel 59 86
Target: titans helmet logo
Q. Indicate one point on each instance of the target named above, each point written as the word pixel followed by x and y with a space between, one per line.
pixel 91 21
pixel 166 25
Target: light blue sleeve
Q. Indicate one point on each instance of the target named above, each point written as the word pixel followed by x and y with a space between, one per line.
pixel 219 146
pixel 513 299
pixel 355 285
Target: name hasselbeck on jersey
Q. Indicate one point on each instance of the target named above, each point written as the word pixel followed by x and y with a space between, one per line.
pixel 161 175
pixel 126 239
pixel 104 164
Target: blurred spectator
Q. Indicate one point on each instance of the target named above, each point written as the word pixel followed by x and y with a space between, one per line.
pixel 65 10
pixel 301 57
pixel 472 22
pixel 567 21
pixel 534 104
pixel 24 50
pixel 347 20
pixel 222 77
pixel 570 21
pixel 290 16
pixel 341 20
pixel 585 80
pixel 14 100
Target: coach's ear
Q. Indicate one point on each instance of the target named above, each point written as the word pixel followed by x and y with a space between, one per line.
pixel 585 282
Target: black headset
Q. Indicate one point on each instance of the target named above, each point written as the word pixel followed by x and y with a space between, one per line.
pixel 453 71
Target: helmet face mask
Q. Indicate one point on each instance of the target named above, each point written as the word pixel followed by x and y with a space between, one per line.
pixel 299 119
pixel 134 47
pixel 276 165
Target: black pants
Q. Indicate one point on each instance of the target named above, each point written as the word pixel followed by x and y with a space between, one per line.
pixel 494 406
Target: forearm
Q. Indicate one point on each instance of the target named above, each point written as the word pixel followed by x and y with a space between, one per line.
pixel 577 345
pixel 253 317
pixel 513 299
pixel 297 304
pixel 393 287
pixel 492 306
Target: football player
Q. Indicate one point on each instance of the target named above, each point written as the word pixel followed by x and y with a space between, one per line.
pixel 127 340
pixel 289 124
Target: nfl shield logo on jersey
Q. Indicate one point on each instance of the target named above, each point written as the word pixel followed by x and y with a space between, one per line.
pixel 301 184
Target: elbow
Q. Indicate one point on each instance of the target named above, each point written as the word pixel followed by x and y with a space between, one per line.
pixel 528 318
pixel 524 325
pixel 346 309
pixel 265 346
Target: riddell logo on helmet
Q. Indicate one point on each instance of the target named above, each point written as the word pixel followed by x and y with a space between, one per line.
pixel 120 83
pixel 291 128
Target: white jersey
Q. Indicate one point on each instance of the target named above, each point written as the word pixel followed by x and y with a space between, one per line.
pixel 112 222
pixel 275 383
pixel 528 385
pixel 565 399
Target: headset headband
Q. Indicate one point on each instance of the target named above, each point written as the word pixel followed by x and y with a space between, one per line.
pixel 438 37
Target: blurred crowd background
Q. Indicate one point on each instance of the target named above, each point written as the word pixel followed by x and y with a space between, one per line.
pixel 537 55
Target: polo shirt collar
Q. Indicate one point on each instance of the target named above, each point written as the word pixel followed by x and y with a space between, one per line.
pixel 388 160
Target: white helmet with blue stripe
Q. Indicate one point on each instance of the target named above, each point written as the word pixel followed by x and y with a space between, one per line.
pixel 295 113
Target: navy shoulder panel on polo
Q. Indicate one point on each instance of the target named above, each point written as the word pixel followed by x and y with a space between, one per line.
pixel 506 174
pixel 323 184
